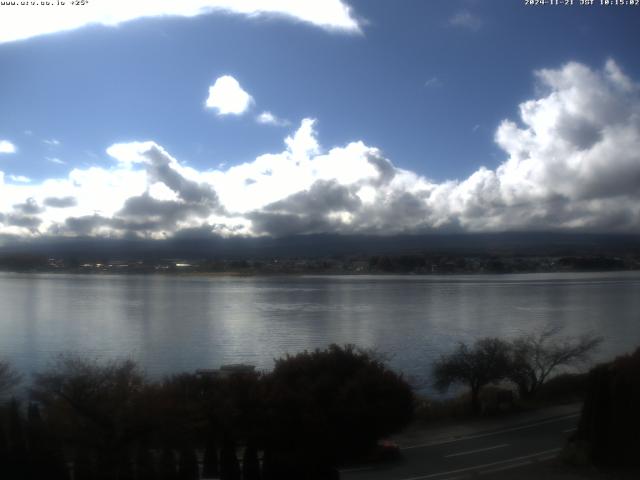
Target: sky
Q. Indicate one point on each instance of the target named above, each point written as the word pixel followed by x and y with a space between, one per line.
pixel 147 118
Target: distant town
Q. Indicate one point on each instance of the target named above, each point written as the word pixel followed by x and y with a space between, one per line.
pixel 420 264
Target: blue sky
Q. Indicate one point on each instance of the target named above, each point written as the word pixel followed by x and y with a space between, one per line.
pixel 424 86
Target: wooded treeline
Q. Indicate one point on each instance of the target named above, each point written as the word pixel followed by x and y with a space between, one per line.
pixel 99 420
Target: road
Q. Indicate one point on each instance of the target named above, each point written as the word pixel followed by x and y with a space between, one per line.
pixel 480 453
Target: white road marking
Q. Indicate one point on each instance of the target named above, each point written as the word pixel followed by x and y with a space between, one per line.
pixel 515 460
pixel 542 458
pixel 503 468
pixel 482 435
pixel 469 452
pixel 506 467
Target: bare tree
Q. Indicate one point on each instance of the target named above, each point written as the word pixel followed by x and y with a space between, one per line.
pixel 92 388
pixel 9 378
pixel 100 404
pixel 535 357
pixel 486 362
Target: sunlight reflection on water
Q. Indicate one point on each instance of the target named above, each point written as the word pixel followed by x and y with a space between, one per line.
pixel 171 323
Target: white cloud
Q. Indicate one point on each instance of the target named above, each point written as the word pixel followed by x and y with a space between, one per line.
pixel 433 82
pixel 466 19
pixel 572 162
pixel 19 178
pixel 268 118
pixel 21 22
pixel 227 97
pixel 52 142
pixel 7 147
pixel 55 160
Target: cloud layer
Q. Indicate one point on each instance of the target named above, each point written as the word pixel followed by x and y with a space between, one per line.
pixel 7 147
pixel 466 19
pixel 268 118
pixel 227 97
pixel 20 22
pixel 572 162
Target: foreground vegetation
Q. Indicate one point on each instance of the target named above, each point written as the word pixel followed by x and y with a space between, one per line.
pixel 525 362
pixel 86 419
pixel 314 411
pixel 609 430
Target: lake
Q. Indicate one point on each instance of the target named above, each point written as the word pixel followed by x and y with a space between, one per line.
pixel 176 323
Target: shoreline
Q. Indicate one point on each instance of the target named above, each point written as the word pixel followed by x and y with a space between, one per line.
pixel 247 274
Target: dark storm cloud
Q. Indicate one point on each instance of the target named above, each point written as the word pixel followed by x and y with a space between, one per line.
pixel 579 132
pixel 60 202
pixel 285 224
pixel 24 221
pixel 160 214
pixel 84 225
pixel 30 207
pixel 160 169
pixel 385 168
pixel 323 197
pixel 307 211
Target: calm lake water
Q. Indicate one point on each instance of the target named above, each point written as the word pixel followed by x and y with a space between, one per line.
pixel 174 323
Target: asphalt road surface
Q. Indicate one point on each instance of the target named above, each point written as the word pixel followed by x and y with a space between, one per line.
pixel 477 454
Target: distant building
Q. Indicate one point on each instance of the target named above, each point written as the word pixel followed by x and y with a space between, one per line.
pixel 118 264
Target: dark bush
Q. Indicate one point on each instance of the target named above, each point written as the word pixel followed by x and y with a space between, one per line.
pixel 565 388
pixel 609 426
pixel 334 404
